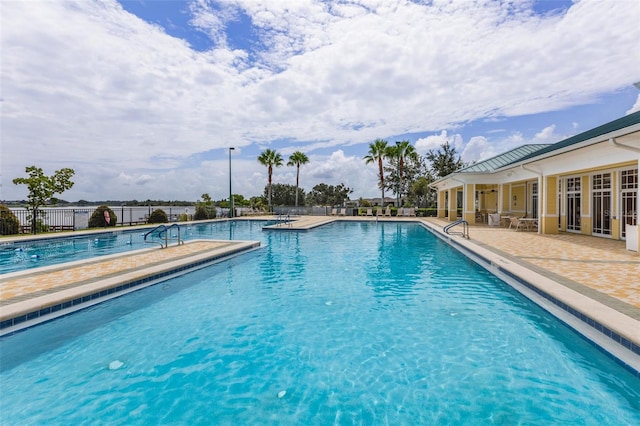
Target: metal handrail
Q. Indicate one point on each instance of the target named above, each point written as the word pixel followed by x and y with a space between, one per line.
pixel 465 228
pixel 284 219
pixel 163 229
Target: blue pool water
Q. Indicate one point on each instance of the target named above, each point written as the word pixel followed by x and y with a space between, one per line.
pixel 23 255
pixel 351 323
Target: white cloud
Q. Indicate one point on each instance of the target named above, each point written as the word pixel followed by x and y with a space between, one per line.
pixel 87 85
pixel 635 107
pixel 477 149
pixel 546 135
pixel 480 148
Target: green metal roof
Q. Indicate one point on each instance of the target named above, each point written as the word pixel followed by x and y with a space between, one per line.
pixel 620 123
pixel 531 151
pixel 501 160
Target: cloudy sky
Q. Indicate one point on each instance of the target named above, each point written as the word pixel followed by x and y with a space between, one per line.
pixel 143 98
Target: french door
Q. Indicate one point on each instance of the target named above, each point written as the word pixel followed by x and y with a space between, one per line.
pixel 573 204
pixel 628 199
pixel 601 202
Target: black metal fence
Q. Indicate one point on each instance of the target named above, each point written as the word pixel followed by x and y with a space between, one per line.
pixel 54 219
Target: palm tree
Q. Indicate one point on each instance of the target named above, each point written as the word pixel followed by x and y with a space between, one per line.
pixel 401 152
pixel 377 153
pixel 270 158
pixel 297 159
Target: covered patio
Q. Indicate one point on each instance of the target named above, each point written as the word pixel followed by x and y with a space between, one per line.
pixel 586 184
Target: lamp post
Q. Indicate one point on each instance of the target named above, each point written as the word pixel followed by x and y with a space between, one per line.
pixel 230 193
pixel 398 183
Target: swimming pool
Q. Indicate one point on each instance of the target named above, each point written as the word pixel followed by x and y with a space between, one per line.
pixel 351 323
pixel 23 255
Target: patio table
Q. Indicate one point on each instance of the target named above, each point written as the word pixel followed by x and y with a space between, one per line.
pixel 530 223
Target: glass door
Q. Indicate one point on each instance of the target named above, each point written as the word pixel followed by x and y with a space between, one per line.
pixel 573 204
pixel 628 199
pixel 601 197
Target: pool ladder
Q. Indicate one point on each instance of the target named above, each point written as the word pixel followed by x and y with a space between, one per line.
pixel 465 228
pixel 162 232
pixel 283 219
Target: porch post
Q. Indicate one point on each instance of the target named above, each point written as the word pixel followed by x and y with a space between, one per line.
pixel 468 202
pixel 548 195
pixel 442 206
pixel 453 198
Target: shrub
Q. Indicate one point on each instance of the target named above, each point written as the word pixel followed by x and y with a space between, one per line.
pixel 9 223
pixel 41 226
pixel 204 212
pixel 158 216
pixel 98 218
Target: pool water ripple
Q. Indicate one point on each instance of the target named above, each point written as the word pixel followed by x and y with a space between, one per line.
pixel 362 337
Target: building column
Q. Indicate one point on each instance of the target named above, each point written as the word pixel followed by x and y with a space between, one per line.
pixel 468 202
pixel 548 196
pixel 442 204
pixel 452 207
pixel 616 215
pixel 586 221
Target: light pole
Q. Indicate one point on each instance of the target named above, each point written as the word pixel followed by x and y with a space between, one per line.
pixel 398 182
pixel 230 193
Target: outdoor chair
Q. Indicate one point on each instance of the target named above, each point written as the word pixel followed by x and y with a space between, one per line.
pixel 369 211
pixel 494 219
pixel 516 223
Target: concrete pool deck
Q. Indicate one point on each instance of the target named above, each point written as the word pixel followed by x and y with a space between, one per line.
pixel 33 295
pixel 595 276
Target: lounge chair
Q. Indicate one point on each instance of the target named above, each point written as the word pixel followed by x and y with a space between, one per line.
pixel 400 212
pixel 516 223
pixel 412 211
pixel 369 211
pixel 494 219
pixel 387 212
pixel 342 212
pixel 379 211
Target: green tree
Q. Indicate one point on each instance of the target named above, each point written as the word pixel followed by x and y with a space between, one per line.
pixel 271 159
pixel 42 188
pixel 328 195
pixel 297 159
pixel 399 154
pixel 420 194
pixel 284 194
pixel 378 150
pixel 444 160
pixel 205 208
pixel 258 203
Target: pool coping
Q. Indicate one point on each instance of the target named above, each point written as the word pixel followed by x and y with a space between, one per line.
pixel 613 332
